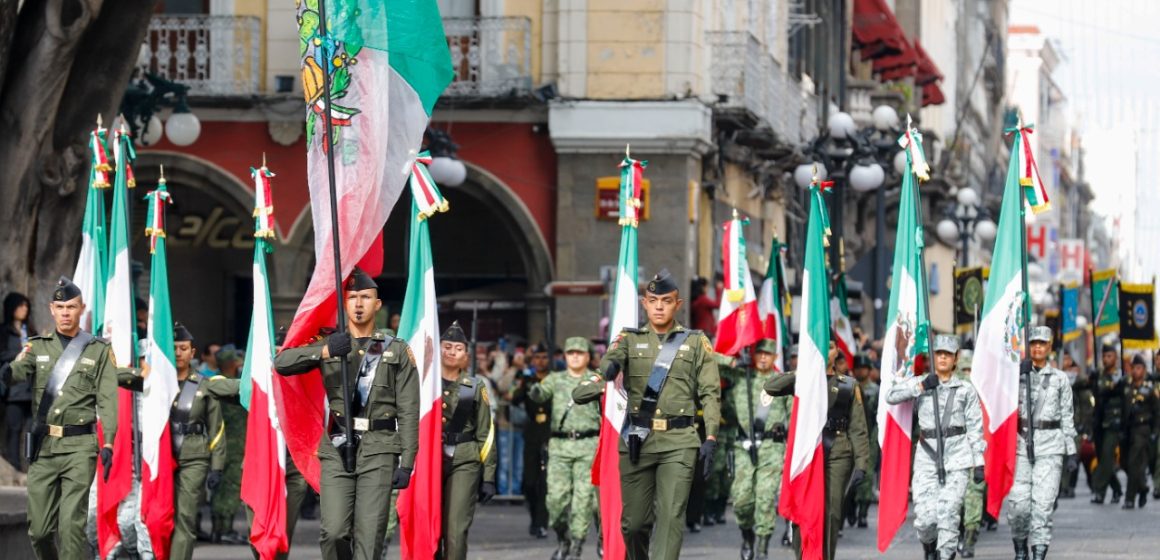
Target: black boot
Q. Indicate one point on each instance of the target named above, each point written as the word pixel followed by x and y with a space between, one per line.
pixel 599 542
pixel 969 539
pixel 562 544
pixel 863 511
pixel 707 520
pixel 1116 496
pixel 1039 552
pixel 762 547
pixel 929 550
pixel 1020 549
pixel 575 549
pixel 1143 497
pixel 1098 499
pixel 785 536
pixel 951 557
pixel 747 537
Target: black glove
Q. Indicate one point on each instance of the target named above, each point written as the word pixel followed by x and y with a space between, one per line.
pixel 857 478
pixel 705 456
pixel 978 475
pixel 214 479
pixel 779 432
pixel 611 371
pixel 338 344
pixel 401 479
pixel 1025 367
pixel 486 492
pixel 107 460
pixel 930 381
pixel 1073 462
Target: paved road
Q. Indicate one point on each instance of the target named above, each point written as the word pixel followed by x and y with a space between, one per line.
pixel 1083 531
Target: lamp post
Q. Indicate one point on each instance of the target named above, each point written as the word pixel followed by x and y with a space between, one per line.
pixel 146 97
pixel 964 219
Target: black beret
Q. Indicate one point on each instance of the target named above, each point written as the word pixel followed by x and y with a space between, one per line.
pixel 65 290
pixel 454 333
pixel 1109 348
pixel 181 334
pixel 359 280
pixel 662 283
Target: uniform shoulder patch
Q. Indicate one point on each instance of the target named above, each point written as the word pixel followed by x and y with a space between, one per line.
pixel 483 394
pixel 410 354
pixel 705 344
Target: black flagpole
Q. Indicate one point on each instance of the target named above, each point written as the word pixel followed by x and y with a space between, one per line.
pixel 328 139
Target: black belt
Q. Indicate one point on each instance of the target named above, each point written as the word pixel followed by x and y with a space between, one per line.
pixel 457 438
pixel 1039 424
pixel 576 435
pixel 363 424
pixel 837 425
pixel 663 424
pixel 947 432
pixel 768 435
pixel 192 428
pixel 65 431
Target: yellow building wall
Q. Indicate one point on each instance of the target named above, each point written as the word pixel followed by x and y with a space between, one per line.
pixel 626 55
pixel 533 10
pixel 259 9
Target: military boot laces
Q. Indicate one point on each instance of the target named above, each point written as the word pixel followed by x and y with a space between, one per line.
pixel 1039 552
pixel 747 537
pixel 575 549
pixel 969 543
pixel 930 551
pixel 1021 549
pixel 763 547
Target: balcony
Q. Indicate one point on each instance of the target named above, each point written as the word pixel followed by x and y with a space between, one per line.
pixel 492 56
pixel 213 55
pixel 750 86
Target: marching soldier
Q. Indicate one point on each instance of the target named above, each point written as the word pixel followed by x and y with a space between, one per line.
pixel 844 439
pixel 197 433
pixel 1107 425
pixel 1084 407
pixel 976 494
pixel 864 494
pixel 950 448
pixel 537 432
pixel 1142 412
pixel 74 380
pixel 575 428
pixel 469 454
pixel 1046 442
pixel 227 485
pixel 384 411
pixel 758 453
pixel 667 370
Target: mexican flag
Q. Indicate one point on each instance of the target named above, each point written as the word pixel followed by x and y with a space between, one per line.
pixel 119 327
pixel 840 317
pixel 264 465
pixel 623 315
pixel 907 325
pixel 420 505
pixel 739 323
pixel 1006 308
pixel 159 388
pixel 90 272
pixel 803 486
pixel 773 303
pixel 387 62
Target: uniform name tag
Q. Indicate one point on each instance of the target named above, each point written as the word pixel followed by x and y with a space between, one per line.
pixel 362 424
pixel 684 347
pixel 642 346
pixel 42 358
pixel 389 354
pixel 88 362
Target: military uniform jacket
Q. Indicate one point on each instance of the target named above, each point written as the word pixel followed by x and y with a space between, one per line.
pixel 480 447
pixel 856 436
pixel 1051 401
pixel 1109 411
pixel 1142 408
pixel 89 391
pixel 778 407
pixel 693 380
pixel 961 451
pixel 575 426
pixel 394 392
pixel 870 391
pixel 539 427
pixel 211 443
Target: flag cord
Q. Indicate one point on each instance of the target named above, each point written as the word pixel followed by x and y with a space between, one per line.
pixel 328 140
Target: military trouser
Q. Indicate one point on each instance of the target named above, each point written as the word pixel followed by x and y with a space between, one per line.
pixel 58 503
pixel 656 492
pixel 188 492
pixel 227 498
pixel 460 494
pixel 718 484
pixel 1155 465
pixel 1139 458
pixel 936 508
pixel 864 493
pixel 354 505
pixel 535 483
pixel 1106 466
pixel 1031 500
pixel 755 487
pixel 973 501
pixel 571 495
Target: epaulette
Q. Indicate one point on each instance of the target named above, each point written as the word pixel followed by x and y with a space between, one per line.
pixel 379 335
pixel 40 337
pixel 632 330
pixel 194 377
pixel 466 381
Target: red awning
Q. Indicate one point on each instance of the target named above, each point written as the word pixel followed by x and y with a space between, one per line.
pixel 898 66
pixel 932 95
pixel 927 71
pixel 875 30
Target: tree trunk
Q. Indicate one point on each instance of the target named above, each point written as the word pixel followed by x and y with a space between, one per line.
pixel 68 61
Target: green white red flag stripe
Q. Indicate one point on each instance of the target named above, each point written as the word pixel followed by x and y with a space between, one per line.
pixel 89 275
pixel 840 315
pixel 739 322
pixel 1029 178
pixel 773 302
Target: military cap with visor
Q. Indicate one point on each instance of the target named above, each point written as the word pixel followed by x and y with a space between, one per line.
pixel 946 343
pixel 1040 334
pixel 576 344
pixel 767 345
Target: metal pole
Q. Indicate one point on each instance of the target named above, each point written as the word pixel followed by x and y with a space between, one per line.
pixel 879 262
pixel 965 236
pixel 328 138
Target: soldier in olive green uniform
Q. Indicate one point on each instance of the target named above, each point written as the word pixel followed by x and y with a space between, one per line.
pixel 1082 382
pixel 844 440
pixel 227 493
pixel 720 480
pixel 1107 425
pixel 537 432
pixel 1142 413
pixel 575 429
pixel 74 381
pixel 759 452
pixel 197 432
pixel 469 453
pixel 667 371
pixel 383 412
pixel 864 494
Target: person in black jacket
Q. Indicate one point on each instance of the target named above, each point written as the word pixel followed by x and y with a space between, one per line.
pixel 14 334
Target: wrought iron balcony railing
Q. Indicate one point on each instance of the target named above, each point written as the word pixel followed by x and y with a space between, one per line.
pixel 213 55
pixel 492 56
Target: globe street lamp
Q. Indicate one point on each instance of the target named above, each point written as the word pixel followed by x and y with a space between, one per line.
pixel 964 219
pixel 145 98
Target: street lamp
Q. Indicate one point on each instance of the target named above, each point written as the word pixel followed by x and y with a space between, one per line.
pixel 145 98
pixel 963 219
pixel 446 169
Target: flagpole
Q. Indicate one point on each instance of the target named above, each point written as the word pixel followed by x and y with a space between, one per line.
pixel 328 139
pixel 1022 138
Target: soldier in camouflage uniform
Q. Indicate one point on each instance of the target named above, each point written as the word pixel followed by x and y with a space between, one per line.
pixel 938 494
pixel 976 495
pixel 1107 425
pixel 759 452
pixel 1142 416
pixel 1045 419
pixel 227 497
pixel 863 496
pixel 575 429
